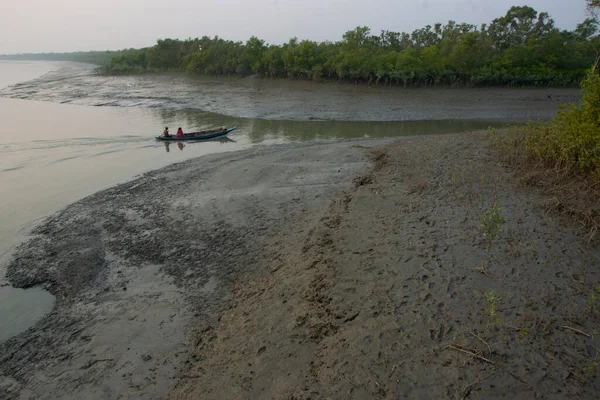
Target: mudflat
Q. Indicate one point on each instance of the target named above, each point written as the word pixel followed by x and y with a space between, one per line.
pixel 267 99
pixel 355 269
pixel 393 291
pixel 142 271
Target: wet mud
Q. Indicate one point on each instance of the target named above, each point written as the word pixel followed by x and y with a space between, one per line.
pixel 352 269
pixel 142 271
pixel 393 291
pixel 288 100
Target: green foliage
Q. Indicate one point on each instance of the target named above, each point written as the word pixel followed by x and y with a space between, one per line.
pixel 568 144
pixel 491 302
pixel 571 141
pixel 521 48
pixel 491 222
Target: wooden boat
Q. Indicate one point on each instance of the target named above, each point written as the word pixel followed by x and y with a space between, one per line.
pixel 204 135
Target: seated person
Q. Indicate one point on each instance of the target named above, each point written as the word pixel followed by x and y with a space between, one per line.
pixel 166 132
pixel 180 133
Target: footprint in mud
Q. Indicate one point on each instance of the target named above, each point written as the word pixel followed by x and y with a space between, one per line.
pixel 438 335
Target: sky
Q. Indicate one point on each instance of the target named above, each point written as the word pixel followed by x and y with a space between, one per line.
pixel 81 25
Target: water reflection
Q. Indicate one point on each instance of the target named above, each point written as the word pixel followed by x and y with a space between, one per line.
pixel 258 130
pixel 181 145
pixel 168 146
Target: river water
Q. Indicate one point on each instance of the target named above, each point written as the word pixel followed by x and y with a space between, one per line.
pixel 53 153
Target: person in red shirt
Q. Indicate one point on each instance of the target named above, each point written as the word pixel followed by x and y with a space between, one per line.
pixel 179 133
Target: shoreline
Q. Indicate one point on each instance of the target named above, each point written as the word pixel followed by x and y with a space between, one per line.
pixel 353 268
pixel 139 269
pixel 323 81
pixel 290 100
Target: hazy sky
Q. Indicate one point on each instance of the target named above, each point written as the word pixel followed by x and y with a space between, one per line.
pixel 69 25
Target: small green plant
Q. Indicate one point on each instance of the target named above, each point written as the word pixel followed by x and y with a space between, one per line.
pixel 547 324
pixel 491 322
pixel 591 306
pixel 590 370
pixel 524 331
pixel 491 222
pixel 491 301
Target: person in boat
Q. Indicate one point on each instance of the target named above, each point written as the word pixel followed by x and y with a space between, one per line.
pixel 166 132
pixel 179 133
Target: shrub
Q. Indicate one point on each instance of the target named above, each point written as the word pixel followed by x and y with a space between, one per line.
pixel 570 141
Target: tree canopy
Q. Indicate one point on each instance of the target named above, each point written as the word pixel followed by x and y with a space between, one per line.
pixel 521 48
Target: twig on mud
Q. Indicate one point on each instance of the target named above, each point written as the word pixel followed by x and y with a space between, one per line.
pixel 467 389
pixel 376 375
pixel 483 270
pixel 373 371
pixel 472 354
pixel 92 362
pixel 191 376
pixel 393 369
pixel 506 309
pixel 575 330
pixel 483 341
pixel 494 364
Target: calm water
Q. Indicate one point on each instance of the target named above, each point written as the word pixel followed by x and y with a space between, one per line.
pixel 54 154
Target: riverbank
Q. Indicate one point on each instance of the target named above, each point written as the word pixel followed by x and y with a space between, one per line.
pixel 141 270
pixel 267 99
pixel 394 291
pixel 354 269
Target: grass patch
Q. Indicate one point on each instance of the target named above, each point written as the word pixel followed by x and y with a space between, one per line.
pixel 491 222
pixel 491 302
pixel 562 155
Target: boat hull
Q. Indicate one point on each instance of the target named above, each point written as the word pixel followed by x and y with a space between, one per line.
pixel 196 136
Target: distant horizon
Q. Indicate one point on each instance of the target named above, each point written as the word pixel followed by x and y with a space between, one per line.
pixel 66 29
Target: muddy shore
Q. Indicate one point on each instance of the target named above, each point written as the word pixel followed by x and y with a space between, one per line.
pixel 342 270
pixel 393 291
pixel 76 83
pixel 141 271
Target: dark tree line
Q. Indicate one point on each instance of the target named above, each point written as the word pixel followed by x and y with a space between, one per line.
pixel 521 48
